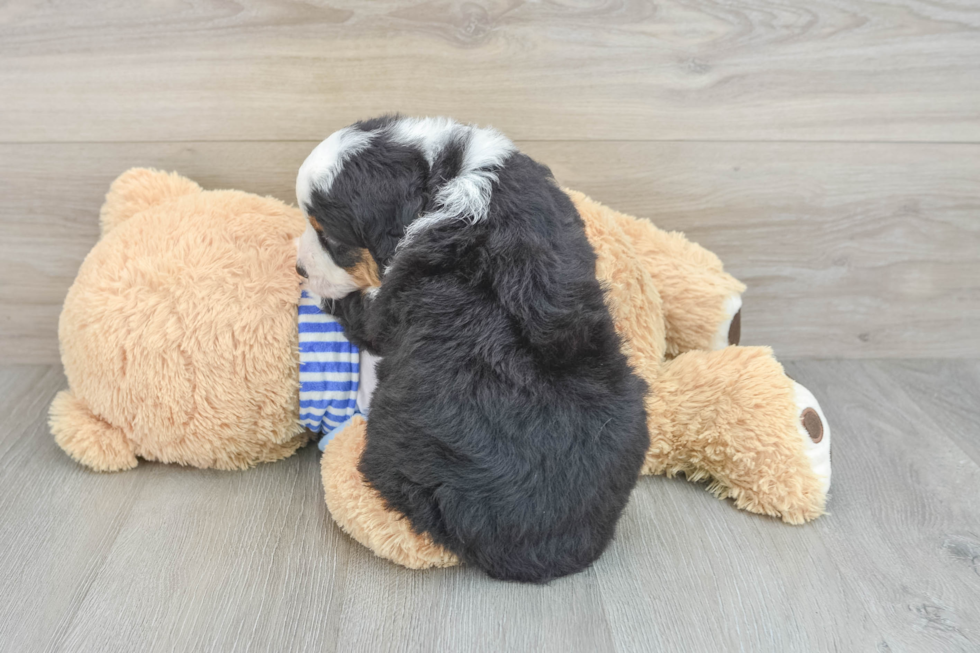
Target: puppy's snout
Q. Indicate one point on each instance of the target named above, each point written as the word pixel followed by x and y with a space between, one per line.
pixel 301 271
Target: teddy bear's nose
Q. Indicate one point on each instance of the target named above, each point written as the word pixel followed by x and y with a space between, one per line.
pixel 301 271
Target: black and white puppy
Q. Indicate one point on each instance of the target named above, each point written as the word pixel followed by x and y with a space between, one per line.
pixel 506 421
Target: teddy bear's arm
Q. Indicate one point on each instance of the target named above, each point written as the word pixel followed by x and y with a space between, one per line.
pixel 701 303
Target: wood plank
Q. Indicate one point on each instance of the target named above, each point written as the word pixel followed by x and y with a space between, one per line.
pixel 169 558
pixel 209 561
pixel 946 395
pixel 849 250
pixel 59 521
pixel 891 568
pixel 464 610
pixel 887 70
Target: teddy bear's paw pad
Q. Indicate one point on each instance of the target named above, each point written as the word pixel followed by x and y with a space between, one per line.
pixel 815 433
pixel 730 330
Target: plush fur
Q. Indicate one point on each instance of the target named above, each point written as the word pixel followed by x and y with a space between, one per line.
pixel 506 424
pixel 179 335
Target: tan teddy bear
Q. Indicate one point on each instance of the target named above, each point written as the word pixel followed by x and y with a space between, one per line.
pixel 179 341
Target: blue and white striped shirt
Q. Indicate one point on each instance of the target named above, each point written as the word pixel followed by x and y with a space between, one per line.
pixel 329 369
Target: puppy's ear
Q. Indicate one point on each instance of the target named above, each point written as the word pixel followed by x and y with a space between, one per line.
pixel 411 209
pixel 138 189
pixel 384 243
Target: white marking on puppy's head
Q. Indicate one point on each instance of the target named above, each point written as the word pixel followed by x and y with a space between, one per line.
pixel 466 196
pixel 429 135
pixel 325 162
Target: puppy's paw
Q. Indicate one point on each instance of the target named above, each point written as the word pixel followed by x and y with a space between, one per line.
pixel 343 308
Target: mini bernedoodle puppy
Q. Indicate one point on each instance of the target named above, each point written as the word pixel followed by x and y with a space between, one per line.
pixel 506 422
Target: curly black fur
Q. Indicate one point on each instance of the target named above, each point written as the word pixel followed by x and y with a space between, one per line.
pixel 506 422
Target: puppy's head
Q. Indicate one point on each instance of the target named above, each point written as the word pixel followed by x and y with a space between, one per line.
pixel 366 184
pixel 359 190
pixel 332 269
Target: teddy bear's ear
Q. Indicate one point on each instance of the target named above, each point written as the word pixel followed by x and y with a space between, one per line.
pixel 138 189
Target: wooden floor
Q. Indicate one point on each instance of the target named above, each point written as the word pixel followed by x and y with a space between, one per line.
pixel 166 558
pixel 828 151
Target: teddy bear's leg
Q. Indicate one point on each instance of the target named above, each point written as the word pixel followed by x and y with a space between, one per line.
pixel 361 511
pixel 734 418
pixel 631 295
pixel 86 438
pixel 701 302
pixel 138 189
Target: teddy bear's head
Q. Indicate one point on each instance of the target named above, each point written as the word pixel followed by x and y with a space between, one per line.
pixel 178 336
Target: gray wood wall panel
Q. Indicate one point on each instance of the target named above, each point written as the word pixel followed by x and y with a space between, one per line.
pixel 849 249
pixel 886 70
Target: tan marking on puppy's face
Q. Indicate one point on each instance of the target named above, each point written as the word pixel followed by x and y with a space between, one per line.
pixel 365 272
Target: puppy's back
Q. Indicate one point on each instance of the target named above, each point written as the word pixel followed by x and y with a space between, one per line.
pixel 508 423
